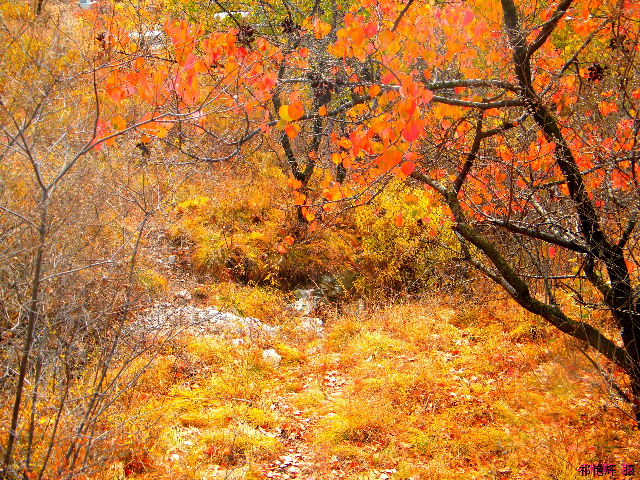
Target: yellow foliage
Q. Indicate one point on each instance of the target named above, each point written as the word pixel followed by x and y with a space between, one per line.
pixel 242 381
pixel 233 229
pixel 374 345
pixel 407 255
pixel 358 420
pixel 211 350
pixel 240 444
pixel 152 281
pixel 290 354
pixel 265 303
pixel 15 10
pixel 160 377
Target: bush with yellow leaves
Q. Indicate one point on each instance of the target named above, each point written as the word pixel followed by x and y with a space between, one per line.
pixel 248 231
pixel 406 241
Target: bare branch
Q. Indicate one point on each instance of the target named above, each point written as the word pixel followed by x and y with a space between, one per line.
pixel 546 237
pixel 479 105
pixel 477 141
pixel 402 13
pixel 549 26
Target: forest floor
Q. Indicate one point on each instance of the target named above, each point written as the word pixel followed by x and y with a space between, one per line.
pixel 426 389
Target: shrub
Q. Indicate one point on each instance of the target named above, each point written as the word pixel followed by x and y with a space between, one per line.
pixel 405 243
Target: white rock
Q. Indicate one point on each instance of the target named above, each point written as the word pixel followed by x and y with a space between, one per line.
pixel 207 320
pixel 184 294
pixel 312 325
pixel 271 357
pixel 304 305
pixel 154 39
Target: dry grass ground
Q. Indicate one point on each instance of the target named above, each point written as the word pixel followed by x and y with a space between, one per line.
pixel 424 390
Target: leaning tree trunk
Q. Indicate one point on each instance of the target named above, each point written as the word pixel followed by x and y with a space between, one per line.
pixel 618 293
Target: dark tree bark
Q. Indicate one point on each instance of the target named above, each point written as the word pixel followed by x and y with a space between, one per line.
pixel 591 241
pixel 620 295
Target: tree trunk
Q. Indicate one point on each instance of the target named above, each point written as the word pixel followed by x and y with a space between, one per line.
pixel 32 318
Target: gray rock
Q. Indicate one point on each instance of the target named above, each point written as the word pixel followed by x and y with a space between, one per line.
pixel 304 293
pixel 330 287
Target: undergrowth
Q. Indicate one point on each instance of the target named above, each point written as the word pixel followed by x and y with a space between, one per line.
pixel 417 389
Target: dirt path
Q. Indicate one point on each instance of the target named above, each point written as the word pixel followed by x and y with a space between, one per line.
pixel 300 461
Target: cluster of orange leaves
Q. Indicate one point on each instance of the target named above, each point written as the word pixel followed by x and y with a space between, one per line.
pixel 217 72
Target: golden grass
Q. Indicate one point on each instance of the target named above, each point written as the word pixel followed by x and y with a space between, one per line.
pixel 419 390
